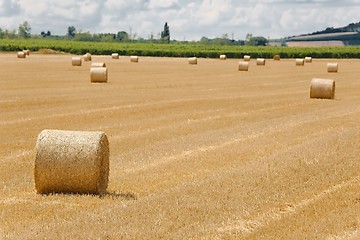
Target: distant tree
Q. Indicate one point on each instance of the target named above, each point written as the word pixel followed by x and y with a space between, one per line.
pixel 256 41
pixel 71 31
pixel 45 34
pixel 122 36
pixel 24 30
pixel 165 35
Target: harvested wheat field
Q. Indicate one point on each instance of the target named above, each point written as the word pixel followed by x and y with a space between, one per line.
pixel 196 151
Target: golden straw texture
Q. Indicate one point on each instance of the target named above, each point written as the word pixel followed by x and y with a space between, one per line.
pixel 98 74
pixel 308 59
pixel 76 61
pixel 260 62
pixel 71 162
pixel 21 55
pixel 322 88
pixel 87 57
pixel 134 59
pixel 192 60
pixel 300 62
pixel 115 56
pixel 98 64
pixel 247 58
pixel 332 67
pixel 243 66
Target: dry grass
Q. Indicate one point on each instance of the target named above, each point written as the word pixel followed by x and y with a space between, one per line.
pixel 202 153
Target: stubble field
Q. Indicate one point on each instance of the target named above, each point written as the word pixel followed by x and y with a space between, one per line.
pixel 196 151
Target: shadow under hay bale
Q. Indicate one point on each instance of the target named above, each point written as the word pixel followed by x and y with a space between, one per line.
pixel 71 162
pixel 322 88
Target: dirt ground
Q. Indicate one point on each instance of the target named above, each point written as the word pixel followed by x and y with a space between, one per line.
pixel 196 151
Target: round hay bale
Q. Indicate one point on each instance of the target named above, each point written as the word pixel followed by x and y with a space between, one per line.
pixel 243 66
pixel 222 57
pixel 300 62
pixel 134 59
pixel 322 88
pixel 247 58
pixel 87 57
pixel 98 74
pixel 260 61
pixel 71 162
pixel 115 56
pixel 27 52
pixel 21 55
pixel 76 61
pixel 98 64
pixel 308 59
pixel 192 60
pixel 277 57
pixel 332 67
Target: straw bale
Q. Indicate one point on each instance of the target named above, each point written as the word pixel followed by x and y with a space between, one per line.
pixel 332 67
pixel 260 61
pixel 134 59
pixel 27 52
pixel 277 57
pixel 192 60
pixel 300 62
pixel 222 57
pixel 308 59
pixel 98 74
pixel 76 61
pixel 98 64
pixel 21 55
pixel 87 57
pixel 71 162
pixel 115 56
pixel 243 66
pixel 247 58
pixel 322 88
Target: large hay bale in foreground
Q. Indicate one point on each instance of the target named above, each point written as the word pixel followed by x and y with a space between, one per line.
pixel 247 58
pixel 332 67
pixel 308 59
pixel 260 61
pixel 21 55
pixel 300 62
pixel 222 57
pixel 192 60
pixel 87 57
pixel 98 64
pixel 322 88
pixel 98 74
pixel 277 57
pixel 71 162
pixel 134 59
pixel 115 56
pixel 76 61
pixel 243 66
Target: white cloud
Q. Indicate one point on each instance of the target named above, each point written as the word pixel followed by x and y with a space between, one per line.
pixel 187 19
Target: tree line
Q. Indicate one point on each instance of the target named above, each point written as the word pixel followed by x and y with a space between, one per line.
pixel 24 31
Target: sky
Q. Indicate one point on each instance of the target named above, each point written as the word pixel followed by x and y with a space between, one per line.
pixel 188 20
